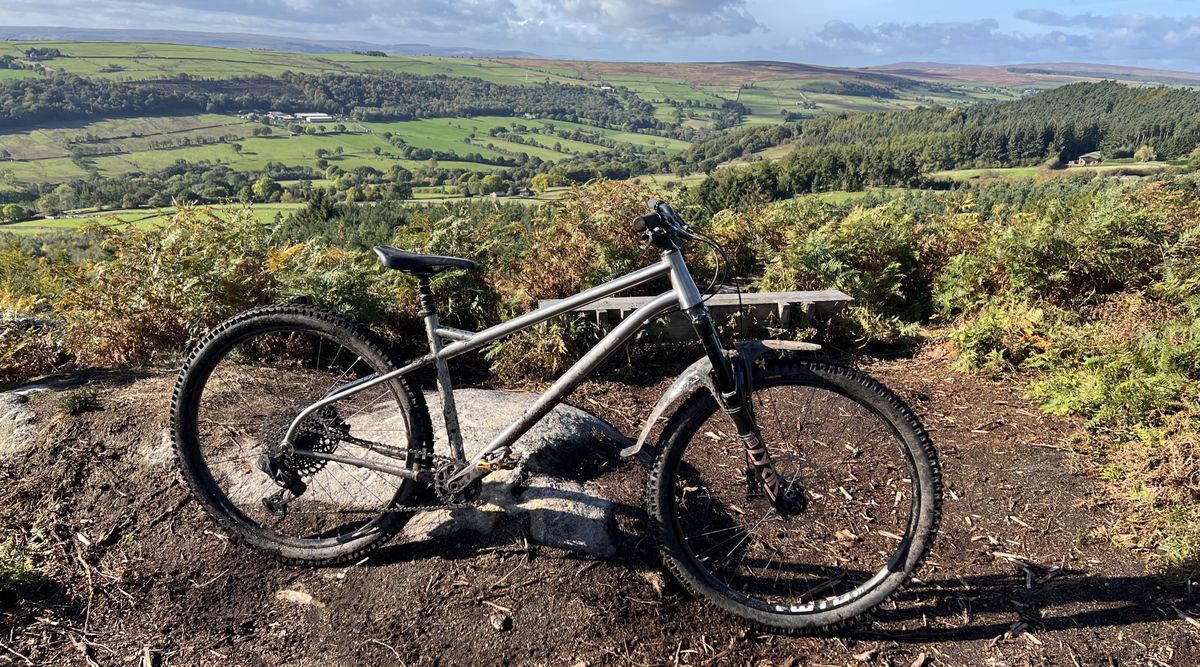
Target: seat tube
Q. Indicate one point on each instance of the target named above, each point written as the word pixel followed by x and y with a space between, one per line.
pixel 445 387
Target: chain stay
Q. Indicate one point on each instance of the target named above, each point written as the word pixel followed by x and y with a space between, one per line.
pixel 405 454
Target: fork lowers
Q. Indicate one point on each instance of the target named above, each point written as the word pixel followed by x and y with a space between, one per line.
pixel 734 397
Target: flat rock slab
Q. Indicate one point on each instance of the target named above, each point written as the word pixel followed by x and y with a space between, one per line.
pixel 560 512
pixel 17 424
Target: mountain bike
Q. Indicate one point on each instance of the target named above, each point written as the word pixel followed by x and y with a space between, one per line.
pixel 789 491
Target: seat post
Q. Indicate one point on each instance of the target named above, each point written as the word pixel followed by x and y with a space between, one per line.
pixel 445 388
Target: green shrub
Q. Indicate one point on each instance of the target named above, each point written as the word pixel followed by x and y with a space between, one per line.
pixel 1002 337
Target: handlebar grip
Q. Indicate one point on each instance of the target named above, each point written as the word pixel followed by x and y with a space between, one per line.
pixel 654 204
pixel 648 221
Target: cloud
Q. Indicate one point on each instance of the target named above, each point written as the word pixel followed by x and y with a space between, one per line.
pixel 1132 33
pixel 1152 41
pixel 526 24
pixel 667 20
pixel 957 41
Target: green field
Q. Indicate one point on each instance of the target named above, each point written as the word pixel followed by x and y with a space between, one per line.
pixel 15 74
pixel 143 145
pixel 152 60
pixel 123 135
pixel 1030 172
pixel 688 93
pixel 141 218
pixel 767 98
pixel 265 213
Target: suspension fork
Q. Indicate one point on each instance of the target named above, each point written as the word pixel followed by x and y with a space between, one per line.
pixel 733 383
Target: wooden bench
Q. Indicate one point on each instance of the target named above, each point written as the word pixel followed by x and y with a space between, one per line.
pixel 787 309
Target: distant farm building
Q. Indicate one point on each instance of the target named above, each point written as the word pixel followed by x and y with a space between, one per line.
pixel 1087 159
pixel 316 117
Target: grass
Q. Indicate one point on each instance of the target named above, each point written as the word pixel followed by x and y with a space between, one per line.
pixel 145 218
pixel 16 566
pixel 1030 172
pixel 152 60
pixel 654 83
pixel 43 155
pixel 843 196
pixel 122 134
pixel 670 180
pixel 139 218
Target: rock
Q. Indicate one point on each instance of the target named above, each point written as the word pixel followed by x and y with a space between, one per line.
pixel 435 524
pixel 298 597
pixel 564 514
pixel 561 513
pixel 482 413
pixel 161 454
pixel 501 622
pixel 17 424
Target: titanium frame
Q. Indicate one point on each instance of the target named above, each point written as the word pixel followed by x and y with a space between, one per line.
pixel 683 294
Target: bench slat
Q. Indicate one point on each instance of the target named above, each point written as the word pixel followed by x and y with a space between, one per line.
pixel 625 303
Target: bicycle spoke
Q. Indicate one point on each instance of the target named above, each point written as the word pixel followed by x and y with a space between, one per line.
pixel 255 394
pixel 841 456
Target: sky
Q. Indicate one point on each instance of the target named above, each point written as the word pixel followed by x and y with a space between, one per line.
pixel 1147 33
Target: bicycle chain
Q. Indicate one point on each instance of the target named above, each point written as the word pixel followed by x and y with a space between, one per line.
pixel 399 453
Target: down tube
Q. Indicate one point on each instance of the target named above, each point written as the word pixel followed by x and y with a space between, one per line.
pixel 575 374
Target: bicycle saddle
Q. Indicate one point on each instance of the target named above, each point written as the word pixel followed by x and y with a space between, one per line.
pixel 411 262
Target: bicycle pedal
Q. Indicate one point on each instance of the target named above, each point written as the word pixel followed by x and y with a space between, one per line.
pixel 506 461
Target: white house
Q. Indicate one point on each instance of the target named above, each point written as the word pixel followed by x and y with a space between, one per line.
pixel 316 117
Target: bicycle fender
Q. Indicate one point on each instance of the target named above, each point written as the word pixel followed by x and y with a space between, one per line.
pixel 699 374
pixel 694 376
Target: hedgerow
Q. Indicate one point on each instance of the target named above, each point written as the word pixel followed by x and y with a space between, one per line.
pixel 1088 290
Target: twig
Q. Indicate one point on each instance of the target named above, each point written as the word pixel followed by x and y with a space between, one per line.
pixel 1190 619
pixel 85 651
pixel 170 510
pixel 388 647
pixel 14 652
pixel 497 607
pixel 87 570
pixel 222 574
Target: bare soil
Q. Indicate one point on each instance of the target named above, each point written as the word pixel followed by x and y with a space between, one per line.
pixel 130 571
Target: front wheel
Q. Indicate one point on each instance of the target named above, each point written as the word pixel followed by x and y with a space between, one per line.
pixel 859 456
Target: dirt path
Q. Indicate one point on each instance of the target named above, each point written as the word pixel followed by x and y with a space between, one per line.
pixel 133 574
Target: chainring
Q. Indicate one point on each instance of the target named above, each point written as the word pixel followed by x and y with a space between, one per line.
pixel 442 476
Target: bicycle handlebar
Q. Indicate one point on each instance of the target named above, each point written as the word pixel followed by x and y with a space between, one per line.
pixel 648 221
pixel 664 221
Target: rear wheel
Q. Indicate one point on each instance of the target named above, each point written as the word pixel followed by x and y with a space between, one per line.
pixel 865 466
pixel 235 398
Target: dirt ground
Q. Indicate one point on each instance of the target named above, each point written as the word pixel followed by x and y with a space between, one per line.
pixel 130 572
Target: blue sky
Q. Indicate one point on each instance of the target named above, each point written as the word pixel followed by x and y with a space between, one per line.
pixel 1149 33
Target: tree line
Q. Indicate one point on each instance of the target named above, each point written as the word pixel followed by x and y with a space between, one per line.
pixel 377 96
pixel 1058 124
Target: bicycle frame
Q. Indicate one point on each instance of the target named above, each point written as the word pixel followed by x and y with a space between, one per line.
pixel 683 294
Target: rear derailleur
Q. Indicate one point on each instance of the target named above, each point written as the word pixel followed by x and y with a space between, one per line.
pixel 320 432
